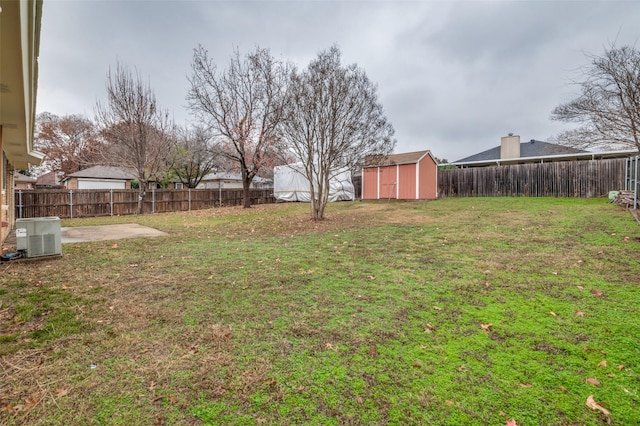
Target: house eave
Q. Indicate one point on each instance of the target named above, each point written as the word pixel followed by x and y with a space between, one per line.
pixel 19 46
pixel 542 159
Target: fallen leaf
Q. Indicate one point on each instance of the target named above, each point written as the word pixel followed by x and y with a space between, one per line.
pixel 60 392
pixel 331 346
pixel 152 386
pixel 485 327
pixel 591 403
pixel 114 246
pixel 502 413
pixel 562 388
pixel 579 287
pixel 525 385
pixel 448 402
pixel 593 381
pixel 511 422
pixel 579 313
pixel 462 368
pixel 620 367
pixel 372 277
pixel 597 292
pixel 611 375
pixel 437 308
pixel 602 363
pixel 553 314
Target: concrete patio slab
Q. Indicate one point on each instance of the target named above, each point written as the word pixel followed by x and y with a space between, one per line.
pixel 80 234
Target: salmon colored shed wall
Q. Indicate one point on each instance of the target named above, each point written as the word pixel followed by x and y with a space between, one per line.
pixel 428 178
pixel 399 181
pixel 407 182
pixel 370 183
pixel 388 182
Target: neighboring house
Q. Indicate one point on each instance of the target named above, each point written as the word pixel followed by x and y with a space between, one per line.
pixel 49 180
pixel 512 151
pixel 21 181
pixel 407 176
pixel 231 181
pixel 19 47
pixel 99 177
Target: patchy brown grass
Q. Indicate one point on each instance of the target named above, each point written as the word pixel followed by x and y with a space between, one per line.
pixel 264 316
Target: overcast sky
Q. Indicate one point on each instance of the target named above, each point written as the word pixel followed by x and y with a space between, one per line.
pixel 453 77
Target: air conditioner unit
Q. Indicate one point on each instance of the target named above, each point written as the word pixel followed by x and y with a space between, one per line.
pixel 39 236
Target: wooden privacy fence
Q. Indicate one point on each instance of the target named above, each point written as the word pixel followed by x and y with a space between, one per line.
pixel 114 202
pixel 580 179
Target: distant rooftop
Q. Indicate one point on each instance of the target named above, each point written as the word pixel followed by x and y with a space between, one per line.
pixel 103 172
pixel 533 148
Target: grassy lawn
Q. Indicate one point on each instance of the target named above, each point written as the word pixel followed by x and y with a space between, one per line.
pixel 458 311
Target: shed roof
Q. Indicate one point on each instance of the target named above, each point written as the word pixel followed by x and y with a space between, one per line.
pixel 102 172
pixel 393 159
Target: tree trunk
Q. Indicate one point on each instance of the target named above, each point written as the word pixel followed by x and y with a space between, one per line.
pixel 141 194
pixel 319 199
pixel 246 189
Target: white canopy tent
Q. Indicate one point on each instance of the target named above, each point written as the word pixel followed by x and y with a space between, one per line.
pixel 291 184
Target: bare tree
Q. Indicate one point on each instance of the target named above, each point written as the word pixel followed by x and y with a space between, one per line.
pixel 194 156
pixel 333 121
pixel 609 106
pixel 243 105
pixel 135 127
pixel 70 142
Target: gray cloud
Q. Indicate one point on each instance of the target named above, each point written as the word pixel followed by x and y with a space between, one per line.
pixel 453 76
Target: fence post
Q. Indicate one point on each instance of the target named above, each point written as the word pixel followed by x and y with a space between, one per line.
pixel 153 200
pixel 71 204
pixel 111 201
pixel 189 189
pixel 20 204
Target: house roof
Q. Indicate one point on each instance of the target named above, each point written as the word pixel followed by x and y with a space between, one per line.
pixel 530 149
pixel 102 172
pixel 19 177
pixel 392 159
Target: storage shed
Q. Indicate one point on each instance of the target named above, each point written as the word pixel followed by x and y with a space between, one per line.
pixel 407 176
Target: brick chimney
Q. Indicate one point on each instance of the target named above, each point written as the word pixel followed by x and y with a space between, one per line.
pixel 510 146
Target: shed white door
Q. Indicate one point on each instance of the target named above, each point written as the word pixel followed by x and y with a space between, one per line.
pixel 101 184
